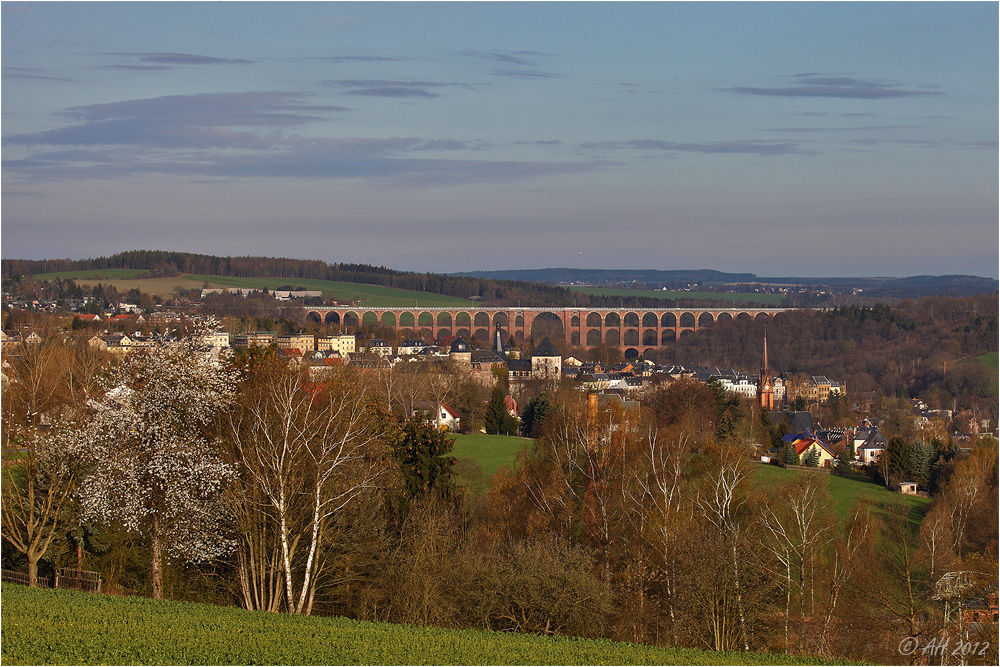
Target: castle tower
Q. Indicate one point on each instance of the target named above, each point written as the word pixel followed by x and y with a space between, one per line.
pixel 765 385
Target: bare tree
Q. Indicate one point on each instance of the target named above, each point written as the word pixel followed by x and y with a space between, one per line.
pixel 39 475
pixel 305 450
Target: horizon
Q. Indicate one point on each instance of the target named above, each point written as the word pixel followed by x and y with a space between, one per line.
pixel 813 140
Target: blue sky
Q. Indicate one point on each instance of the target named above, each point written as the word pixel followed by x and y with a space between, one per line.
pixel 814 139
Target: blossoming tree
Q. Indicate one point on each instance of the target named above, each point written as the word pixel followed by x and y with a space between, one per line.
pixel 155 471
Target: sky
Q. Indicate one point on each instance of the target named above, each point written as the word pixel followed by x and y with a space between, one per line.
pixel 807 139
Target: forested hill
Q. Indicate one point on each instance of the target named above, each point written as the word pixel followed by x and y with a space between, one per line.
pixel 166 263
pixel 674 278
pixel 878 287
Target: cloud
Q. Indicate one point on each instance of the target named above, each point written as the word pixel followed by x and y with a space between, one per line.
pixel 363 59
pixel 507 57
pixel 384 159
pixel 181 58
pixel 525 74
pixel 184 121
pixel 745 147
pixel 816 85
pixel 383 88
pixel 31 73
pixel 867 128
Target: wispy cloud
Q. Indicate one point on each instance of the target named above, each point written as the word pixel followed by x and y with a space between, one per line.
pixel 31 73
pixel 383 88
pixel 818 85
pixel 525 74
pixel 180 58
pixel 518 64
pixel 865 128
pixel 746 147
pixel 178 121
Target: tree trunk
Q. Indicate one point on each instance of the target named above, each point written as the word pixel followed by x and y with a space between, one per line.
pixel 156 567
pixel 33 573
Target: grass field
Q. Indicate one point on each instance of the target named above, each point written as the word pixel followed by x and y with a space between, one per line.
pixel 490 453
pixel 766 300
pixel 95 274
pixel 845 492
pixel 991 362
pixel 366 295
pixel 42 626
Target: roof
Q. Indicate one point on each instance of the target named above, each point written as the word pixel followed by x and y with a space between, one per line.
pixel 546 349
pixel 459 345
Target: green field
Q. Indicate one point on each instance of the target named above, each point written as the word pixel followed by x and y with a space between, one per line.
pixel 374 296
pixel 94 274
pixel 490 452
pixel 766 300
pixel 991 362
pixel 42 627
pixel 845 492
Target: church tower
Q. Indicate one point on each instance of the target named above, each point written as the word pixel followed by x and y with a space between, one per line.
pixel 765 385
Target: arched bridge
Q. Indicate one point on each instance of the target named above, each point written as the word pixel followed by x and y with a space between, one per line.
pixel 641 329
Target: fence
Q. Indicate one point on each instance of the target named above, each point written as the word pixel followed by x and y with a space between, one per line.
pixel 78 580
pixel 14 577
pixel 68 578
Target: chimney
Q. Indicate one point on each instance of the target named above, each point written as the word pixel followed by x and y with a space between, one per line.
pixel 592 421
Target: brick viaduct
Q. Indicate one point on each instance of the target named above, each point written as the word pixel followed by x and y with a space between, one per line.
pixel 631 330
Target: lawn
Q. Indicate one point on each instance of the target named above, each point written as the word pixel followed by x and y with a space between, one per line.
pixel 42 626
pixel 489 452
pixel 766 300
pixel 845 492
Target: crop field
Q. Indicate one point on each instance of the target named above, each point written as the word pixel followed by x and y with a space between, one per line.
pixel 44 627
pixel 845 492
pixel 766 300
pixel 490 453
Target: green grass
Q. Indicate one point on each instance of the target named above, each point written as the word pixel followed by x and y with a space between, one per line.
pixel 991 362
pixel 374 296
pixel 95 274
pixel 490 452
pixel 766 300
pixel 62 627
pixel 845 492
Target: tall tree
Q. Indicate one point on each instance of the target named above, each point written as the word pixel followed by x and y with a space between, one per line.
pixel 155 470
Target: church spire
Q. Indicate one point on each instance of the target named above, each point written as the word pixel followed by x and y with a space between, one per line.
pixel 765 388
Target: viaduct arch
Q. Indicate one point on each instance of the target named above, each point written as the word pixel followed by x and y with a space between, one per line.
pixel 630 329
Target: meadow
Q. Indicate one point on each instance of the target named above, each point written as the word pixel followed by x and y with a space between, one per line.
pixel 43 627
pixel 991 362
pixel 845 492
pixel 766 300
pixel 374 296
pixel 489 453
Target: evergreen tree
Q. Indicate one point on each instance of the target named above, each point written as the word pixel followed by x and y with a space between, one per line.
pixel 425 460
pixel 791 458
pixel 534 415
pixel 812 458
pixel 497 417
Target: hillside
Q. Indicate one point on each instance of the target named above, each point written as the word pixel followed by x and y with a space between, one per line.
pixel 63 627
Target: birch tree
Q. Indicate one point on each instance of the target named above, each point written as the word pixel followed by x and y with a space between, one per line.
pixel 305 451
pixel 155 471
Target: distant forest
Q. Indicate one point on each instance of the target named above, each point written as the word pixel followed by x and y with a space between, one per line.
pixel 873 288
pixel 495 291
pixel 537 287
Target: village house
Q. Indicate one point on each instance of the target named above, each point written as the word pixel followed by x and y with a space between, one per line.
pixel 343 344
